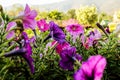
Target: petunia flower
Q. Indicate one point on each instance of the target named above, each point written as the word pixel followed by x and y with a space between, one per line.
pixel 28 18
pixel 62 46
pixel 75 30
pixel 56 33
pixel 93 37
pixel 28 54
pixel 42 25
pixel 25 52
pixel 92 69
pixel 68 57
pixel 9 28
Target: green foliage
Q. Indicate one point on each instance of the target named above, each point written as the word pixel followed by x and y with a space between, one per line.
pixel 71 13
pixel 47 65
pixel 42 15
pixel 87 15
pixel 55 15
pixel 104 16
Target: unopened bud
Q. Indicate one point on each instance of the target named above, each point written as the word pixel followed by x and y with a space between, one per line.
pixel 1 8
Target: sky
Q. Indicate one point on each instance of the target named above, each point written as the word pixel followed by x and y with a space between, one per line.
pixel 6 3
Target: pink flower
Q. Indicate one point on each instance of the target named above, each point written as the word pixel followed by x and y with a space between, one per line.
pixel 28 18
pixel 92 69
pixel 62 46
pixel 42 25
pixel 59 46
pixel 9 28
pixel 75 30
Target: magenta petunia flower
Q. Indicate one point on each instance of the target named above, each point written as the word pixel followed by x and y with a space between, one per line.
pixel 92 69
pixel 75 30
pixel 59 46
pixel 56 33
pixel 28 18
pixel 62 46
pixel 68 56
pixel 42 25
pixel 9 28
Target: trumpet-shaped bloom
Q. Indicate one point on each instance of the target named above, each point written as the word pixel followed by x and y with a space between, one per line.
pixel 28 18
pixel 56 33
pixel 42 25
pixel 92 69
pixel 28 54
pixel 25 52
pixel 68 56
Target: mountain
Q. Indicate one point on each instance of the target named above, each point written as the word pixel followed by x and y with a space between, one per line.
pixel 108 6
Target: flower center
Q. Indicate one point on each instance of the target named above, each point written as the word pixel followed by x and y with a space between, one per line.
pixel 42 27
pixel 74 28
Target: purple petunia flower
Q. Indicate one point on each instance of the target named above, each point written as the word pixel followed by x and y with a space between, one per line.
pixel 28 54
pixel 42 25
pixel 68 56
pixel 75 30
pixel 28 18
pixel 92 69
pixel 25 52
pixel 56 33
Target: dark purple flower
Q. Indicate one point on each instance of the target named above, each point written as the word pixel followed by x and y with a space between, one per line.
pixel 28 54
pixel 25 52
pixel 68 57
pixel 92 69
pixel 107 30
pixel 56 33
